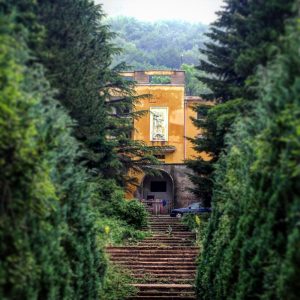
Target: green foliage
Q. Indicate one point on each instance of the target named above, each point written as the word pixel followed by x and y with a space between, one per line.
pixel 252 243
pixel 78 52
pixel 48 239
pixel 112 230
pixel 243 37
pixel 197 224
pixel 192 85
pixel 51 227
pixel 132 212
pixel 213 122
pixel 162 44
pixel 117 285
pixel 240 40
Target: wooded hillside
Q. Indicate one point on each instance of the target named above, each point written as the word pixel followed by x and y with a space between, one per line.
pixel 161 44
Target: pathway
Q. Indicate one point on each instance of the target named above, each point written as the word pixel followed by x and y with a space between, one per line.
pixel 164 264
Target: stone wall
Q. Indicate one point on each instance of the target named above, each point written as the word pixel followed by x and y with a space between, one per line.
pixel 178 172
pixel 182 183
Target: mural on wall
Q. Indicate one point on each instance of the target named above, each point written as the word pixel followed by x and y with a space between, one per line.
pixel 158 123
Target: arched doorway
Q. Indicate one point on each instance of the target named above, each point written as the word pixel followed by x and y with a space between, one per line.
pixel 160 187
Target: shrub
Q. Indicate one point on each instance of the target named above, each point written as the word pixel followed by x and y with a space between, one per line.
pixel 197 224
pixel 116 285
pixel 114 231
pixel 132 212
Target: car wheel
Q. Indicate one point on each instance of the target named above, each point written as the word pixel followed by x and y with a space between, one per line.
pixel 178 215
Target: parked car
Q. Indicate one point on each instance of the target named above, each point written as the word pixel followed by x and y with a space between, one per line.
pixel 194 208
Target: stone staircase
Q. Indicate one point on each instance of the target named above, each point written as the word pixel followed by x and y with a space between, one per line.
pixel 164 264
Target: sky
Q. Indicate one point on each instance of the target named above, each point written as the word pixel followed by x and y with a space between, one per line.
pixel 202 11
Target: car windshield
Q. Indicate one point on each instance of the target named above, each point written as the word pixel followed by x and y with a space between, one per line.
pixel 194 205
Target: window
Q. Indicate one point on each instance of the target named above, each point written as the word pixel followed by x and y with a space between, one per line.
pixel 200 116
pixel 158 186
pixel 194 206
pixel 160 79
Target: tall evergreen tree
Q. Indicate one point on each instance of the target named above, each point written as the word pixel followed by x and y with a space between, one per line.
pixel 78 54
pixel 48 236
pixel 50 206
pixel 242 38
pixel 213 121
pixel 251 250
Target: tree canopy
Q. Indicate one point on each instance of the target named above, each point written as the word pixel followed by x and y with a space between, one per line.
pixel 161 44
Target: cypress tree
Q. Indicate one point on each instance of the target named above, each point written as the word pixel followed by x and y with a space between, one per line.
pixel 251 246
pixel 242 38
pixel 78 54
pixel 48 232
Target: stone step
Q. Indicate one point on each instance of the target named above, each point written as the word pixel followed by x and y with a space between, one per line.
pixel 169 237
pixel 152 248
pixel 168 280
pixel 155 267
pixel 164 287
pixel 159 220
pixel 146 256
pixel 171 242
pixel 161 263
pixel 166 230
pixel 168 293
pixel 175 233
pixel 161 297
pixel 172 239
pixel 166 216
pixel 165 272
pixel 164 227
pixel 165 221
pixel 159 231
pixel 155 259
pixel 156 253
pixel 173 275
pixel 147 252
pixel 174 242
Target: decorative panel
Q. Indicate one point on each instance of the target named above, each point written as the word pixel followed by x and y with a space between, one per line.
pixel 158 124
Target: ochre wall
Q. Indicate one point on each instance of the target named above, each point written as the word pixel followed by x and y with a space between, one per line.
pixel 180 109
pixel 191 130
pixel 163 96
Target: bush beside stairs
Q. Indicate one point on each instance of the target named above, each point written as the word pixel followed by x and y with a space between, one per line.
pixel 163 265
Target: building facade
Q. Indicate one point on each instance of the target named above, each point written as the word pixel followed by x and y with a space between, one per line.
pixel 166 124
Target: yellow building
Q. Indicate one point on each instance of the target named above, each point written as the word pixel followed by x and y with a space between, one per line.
pixel 167 124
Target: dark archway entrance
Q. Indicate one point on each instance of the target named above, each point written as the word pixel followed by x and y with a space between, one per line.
pixel 159 189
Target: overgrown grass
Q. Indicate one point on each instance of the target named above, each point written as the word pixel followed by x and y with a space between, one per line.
pixel 113 231
pixel 197 224
pixel 116 285
pixel 121 224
